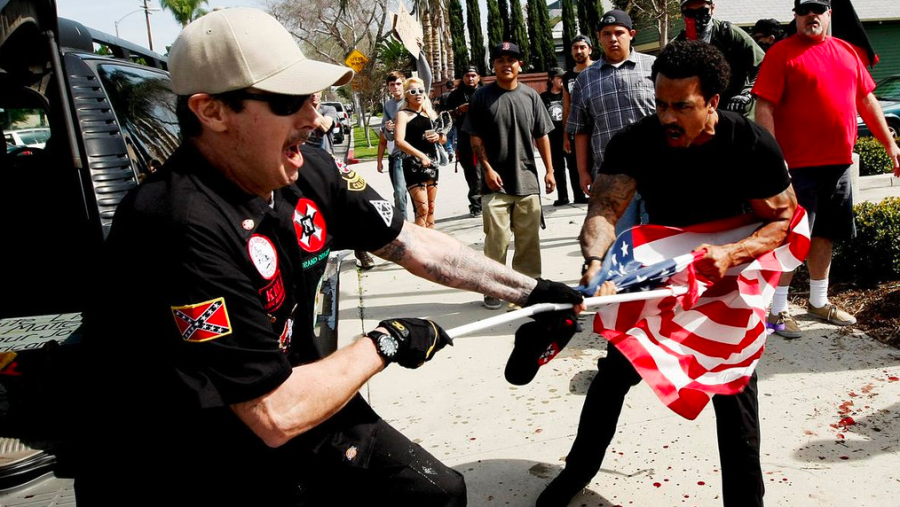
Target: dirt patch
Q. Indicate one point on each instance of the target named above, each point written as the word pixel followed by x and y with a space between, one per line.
pixel 877 309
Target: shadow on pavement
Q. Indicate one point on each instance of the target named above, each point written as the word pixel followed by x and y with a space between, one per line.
pixel 516 483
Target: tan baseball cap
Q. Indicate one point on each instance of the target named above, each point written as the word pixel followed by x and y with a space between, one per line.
pixel 232 49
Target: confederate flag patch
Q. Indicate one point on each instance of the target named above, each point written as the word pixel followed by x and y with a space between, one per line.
pixel 203 321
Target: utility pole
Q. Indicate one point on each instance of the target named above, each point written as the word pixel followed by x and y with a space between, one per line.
pixel 147 17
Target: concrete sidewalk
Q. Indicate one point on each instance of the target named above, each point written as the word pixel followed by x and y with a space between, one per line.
pixel 510 441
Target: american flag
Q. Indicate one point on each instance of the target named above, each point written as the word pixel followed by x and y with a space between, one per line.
pixel 709 340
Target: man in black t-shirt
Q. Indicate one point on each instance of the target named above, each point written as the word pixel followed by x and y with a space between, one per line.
pixel 581 53
pixel 673 159
pixel 553 101
pixel 458 105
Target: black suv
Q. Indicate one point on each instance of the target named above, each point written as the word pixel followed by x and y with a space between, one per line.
pixel 112 121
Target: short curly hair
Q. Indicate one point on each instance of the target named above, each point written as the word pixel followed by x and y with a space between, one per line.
pixel 694 58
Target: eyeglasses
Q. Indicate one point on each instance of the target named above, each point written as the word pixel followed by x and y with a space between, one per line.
pixel 416 91
pixel 695 13
pixel 279 104
pixel 803 10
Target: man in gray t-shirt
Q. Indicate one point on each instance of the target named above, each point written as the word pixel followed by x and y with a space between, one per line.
pixel 504 120
pixel 320 136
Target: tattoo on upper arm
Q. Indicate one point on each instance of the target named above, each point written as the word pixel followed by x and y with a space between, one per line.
pixel 396 250
pixel 611 194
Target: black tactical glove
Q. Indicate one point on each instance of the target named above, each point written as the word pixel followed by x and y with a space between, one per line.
pixel 538 342
pixel 547 291
pixel 412 341
pixel 739 104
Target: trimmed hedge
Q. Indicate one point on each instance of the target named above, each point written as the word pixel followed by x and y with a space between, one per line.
pixel 872 157
pixel 874 255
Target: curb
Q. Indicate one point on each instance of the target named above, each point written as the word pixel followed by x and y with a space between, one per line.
pixel 878 181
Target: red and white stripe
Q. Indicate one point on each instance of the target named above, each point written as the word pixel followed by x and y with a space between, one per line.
pixel 708 341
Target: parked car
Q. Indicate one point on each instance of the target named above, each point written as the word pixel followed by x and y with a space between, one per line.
pixel 33 137
pixel 888 94
pixel 342 112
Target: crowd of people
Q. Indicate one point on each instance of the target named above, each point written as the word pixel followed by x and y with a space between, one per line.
pixel 222 364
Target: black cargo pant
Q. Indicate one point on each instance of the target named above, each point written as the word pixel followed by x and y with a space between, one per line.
pixel 737 427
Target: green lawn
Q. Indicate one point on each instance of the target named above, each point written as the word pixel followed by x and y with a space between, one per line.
pixel 361 150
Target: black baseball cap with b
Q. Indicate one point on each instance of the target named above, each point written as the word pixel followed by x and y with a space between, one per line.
pixel 506 48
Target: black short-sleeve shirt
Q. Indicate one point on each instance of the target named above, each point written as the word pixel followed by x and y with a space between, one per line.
pixel 701 183
pixel 205 299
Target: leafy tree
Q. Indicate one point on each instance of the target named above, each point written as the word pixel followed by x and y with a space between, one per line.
pixel 329 31
pixel 534 35
pixel 593 10
pixel 184 11
pixel 569 30
pixel 519 34
pixel 476 39
pixel 656 13
pixel 457 27
pixel 496 24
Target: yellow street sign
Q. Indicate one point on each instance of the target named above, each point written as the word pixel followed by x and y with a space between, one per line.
pixel 356 60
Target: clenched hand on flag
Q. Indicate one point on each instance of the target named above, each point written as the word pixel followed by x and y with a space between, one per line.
pixel 709 340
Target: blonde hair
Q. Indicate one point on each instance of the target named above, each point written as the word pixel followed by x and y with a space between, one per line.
pixel 426 105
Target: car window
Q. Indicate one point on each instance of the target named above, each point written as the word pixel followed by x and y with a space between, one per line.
pixel 30 137
pixel 145 107
pixel 889 89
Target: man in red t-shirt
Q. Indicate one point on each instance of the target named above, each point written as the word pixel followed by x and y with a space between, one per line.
pixel 809 90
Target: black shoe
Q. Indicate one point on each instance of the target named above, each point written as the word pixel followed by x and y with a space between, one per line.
pixel 560 202
pixel 581 200
pixel 474 212
pixel 561 490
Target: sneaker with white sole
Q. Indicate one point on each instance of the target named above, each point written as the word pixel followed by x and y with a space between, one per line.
pixel 492 303
pixel 783 325
pixel 831 314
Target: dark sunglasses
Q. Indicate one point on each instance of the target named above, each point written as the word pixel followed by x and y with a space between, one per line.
pixel 695 13
pixel 279 104
pixel 803 10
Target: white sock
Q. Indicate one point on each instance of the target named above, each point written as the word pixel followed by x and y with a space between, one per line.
pixel 779 302
pixel 818 293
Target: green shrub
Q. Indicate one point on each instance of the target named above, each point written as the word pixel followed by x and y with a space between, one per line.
pixel 874 255
pixel 872 157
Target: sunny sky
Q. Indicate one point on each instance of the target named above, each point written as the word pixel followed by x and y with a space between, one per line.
pixel 103 15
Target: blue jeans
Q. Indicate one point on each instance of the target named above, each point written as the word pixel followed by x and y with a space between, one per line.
pixel 635 214
pixel 450 145
pixel 395 171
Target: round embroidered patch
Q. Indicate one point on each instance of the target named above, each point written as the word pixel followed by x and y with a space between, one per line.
pixel 262 253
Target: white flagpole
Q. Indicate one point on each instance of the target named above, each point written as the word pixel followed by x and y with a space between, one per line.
pixel 550 307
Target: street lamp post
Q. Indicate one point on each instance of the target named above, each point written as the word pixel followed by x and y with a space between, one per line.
pixel 147 10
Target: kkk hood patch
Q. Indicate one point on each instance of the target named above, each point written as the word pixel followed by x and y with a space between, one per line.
pixel 309 225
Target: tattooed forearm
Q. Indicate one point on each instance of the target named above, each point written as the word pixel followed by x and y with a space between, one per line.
pixel 610 196
pixel 444 260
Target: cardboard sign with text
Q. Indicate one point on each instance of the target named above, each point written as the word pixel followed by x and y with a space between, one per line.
pixel 408 30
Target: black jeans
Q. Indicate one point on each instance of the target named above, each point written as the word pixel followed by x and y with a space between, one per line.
pixel 471 170
pixel 737 426
pixel 572 169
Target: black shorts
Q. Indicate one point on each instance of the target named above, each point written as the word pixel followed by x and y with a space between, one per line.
pixel 825 193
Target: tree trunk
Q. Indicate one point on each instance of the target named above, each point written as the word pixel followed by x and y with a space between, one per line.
pixel 448 46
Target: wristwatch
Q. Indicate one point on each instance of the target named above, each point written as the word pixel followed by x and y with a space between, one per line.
pixel 386 344
pixel 587 262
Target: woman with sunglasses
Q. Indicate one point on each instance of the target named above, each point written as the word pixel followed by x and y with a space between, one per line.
pixel 416 137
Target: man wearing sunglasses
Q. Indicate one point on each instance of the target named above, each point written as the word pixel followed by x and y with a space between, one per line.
pixel 810 89
pixel 200 363
pixel 741 52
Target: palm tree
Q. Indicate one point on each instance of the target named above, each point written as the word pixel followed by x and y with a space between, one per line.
pixel 184 11
pixel 436 36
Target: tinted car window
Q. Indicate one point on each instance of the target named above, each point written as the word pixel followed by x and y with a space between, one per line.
pixel 145 106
